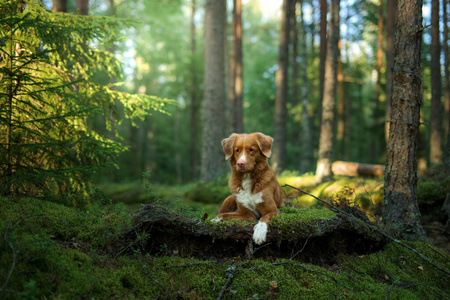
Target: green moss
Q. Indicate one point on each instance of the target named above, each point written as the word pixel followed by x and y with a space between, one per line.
pixel 49 264
pixel 96 226
pixel 210 193
pixel 430 191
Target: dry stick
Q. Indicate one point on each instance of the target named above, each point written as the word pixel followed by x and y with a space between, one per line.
pixel 6 239
pixel 334 208
pixel 301 250
pixel 155 281
pixel 231 274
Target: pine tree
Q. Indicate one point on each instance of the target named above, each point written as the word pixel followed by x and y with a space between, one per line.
pixel 49 63
pixel 213 163
pixel 401 214
pixel 323 171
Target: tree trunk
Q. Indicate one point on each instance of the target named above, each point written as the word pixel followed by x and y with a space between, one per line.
pixel 391 16
pixel 446 70
pixel 436 107
pixel 59 5
pixel 83 7
pixel 236 83
pixel 401 214
pixel 195 104
pixel 323 51
pixel 323 172
pixel 281 77
pixel 305 163
pixel 11 57
pixel 340 106
pixel 295 79
pixel 214 126
pixel 374 141
pixel 446 88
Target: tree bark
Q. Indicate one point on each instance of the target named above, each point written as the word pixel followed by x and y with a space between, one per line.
pixel 401 215
pixel 446 88
pixel 281 77
pixel 305 163
pixel 236 82
pixel 295 77
pixel 446 71
pixel 340 106
pixel 436 107
pixel 391 16
pixel 195 103
pixel 323 51
pixel 83 7
pixel 59 5
pixel 323 172
pixel 374 142
pixel 214 126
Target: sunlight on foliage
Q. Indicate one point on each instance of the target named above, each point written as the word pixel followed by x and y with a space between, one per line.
pixel 50 65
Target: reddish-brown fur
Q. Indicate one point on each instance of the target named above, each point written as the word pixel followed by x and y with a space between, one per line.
pixel 257 149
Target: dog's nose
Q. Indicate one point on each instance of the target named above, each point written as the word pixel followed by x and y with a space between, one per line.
pixel 241 163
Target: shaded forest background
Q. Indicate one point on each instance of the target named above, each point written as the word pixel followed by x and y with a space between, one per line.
pixel 163 55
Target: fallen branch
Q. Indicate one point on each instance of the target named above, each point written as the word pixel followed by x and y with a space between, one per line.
pixel 373 227
pixel 11 246
pixel 356 169
pixel 144 270
pixel 231 273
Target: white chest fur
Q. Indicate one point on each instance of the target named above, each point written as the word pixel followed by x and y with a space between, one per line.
pixel 245 196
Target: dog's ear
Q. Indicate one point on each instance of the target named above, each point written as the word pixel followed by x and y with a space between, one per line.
pixel 264 144
pixel 228 145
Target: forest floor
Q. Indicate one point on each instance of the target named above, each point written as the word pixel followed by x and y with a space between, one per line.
pixel 364 193
pixel 49 250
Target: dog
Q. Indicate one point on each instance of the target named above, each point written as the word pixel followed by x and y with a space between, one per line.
pixel 256 193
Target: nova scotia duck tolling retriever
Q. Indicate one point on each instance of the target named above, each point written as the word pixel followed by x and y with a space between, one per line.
pixel 256 194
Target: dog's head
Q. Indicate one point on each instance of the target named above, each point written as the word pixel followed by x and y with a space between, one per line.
pixel 246 150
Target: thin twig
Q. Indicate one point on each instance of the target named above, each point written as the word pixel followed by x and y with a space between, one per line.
pixel 301 250
pixel 260 247
pixel 424 27
pixel 375 228
pixel 155 281
pixel 6 239
pixel 231 273
pixel 13 265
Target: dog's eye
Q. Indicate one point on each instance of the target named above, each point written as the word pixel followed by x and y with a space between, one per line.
pixel 237 150
pixel 251 150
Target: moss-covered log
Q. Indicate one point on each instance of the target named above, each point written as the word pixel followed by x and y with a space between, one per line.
pixel 313 235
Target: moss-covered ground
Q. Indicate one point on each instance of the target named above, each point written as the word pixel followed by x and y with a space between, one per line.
pixel 49 251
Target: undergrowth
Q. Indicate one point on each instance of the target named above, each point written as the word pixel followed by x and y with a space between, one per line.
pixel 50 250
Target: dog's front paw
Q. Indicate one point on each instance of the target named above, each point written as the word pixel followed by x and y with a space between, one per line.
pixel 216 219
pixel 260 233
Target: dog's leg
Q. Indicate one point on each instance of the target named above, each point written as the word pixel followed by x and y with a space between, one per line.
pixel 228 205
pixel 260 229
pixel 243 213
